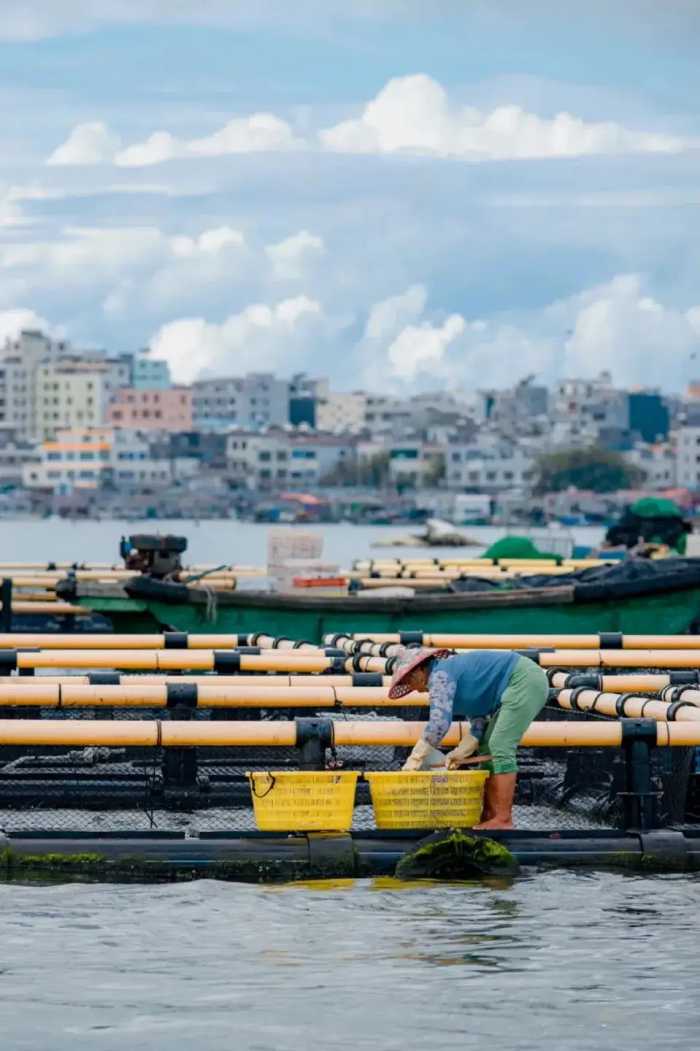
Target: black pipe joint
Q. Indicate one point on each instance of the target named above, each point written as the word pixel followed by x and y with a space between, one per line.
pixel 411 638
pixel 314 736
pixel 181 695
pixel 610 640
pixel 175 640
pixel 227 662
pixel 8 661
pixel 104 678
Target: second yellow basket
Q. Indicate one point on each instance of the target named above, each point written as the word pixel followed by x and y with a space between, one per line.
pixel 427 799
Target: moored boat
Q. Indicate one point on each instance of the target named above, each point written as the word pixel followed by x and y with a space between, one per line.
pixel 633 597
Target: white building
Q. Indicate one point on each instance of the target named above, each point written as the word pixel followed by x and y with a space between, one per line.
pixel 688 457
pixel 14 455
pixel 20 359
pixel 252 402
pixel 286 459
pixel 342 412
pixel 45 385
pixel 659 462
pixel 415 463
pixel 102 456
pixel 583 407
pixel 390 416
pixel 71 396
pixel 488 468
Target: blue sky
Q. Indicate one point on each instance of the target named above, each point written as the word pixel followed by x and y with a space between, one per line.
pixel 392 192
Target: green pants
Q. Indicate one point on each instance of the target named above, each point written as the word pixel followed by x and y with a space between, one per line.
pixel 524 696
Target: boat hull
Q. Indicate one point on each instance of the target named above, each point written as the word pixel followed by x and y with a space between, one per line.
pixel 152 606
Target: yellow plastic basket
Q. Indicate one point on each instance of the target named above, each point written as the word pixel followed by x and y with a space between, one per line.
pixel 427 799
pixel 292 801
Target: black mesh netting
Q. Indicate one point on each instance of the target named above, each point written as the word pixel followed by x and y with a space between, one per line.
pixel 100 789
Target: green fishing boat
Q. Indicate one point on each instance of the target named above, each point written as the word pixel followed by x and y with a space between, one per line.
pixel 637 597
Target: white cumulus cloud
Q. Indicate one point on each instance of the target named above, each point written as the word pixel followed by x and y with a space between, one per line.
pixel 291 257
pixel 619 326
pixel 89 143
pixel 260 132
pixel 261 336
pixel 13 321
pixel 414 114
pixel 616 326
pixel 210 242
pixel 422 348
pixel 388 317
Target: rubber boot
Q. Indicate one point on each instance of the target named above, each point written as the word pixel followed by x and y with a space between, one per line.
pixel 498 804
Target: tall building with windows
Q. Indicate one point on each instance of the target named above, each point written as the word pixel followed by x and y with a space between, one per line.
pixel 253 402
pixel 69 396
pixel 149 373
pixel 151 410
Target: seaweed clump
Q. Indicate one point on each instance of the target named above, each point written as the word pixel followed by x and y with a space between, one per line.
pixel 456 855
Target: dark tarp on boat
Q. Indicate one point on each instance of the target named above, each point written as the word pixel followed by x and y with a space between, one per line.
pixel 655 520
pixel 617 580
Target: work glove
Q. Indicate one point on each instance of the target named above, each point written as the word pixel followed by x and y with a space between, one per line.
pixel 424 757
pixel 468 744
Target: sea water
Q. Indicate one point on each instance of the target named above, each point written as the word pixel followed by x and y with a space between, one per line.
pixel 226 541
pixel 553 961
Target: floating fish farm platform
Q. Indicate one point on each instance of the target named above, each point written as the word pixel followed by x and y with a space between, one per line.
pixel 143 756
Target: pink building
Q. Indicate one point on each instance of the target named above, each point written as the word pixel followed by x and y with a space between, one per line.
pixel 154 410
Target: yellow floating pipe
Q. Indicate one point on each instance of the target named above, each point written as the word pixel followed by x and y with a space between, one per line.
pixel 687 658
pixel 341 681
pixel 208 696
pixel 79 732
pixel 273 642
pixel 54 641
pixel 630 683
pixel 57 609
pixel 688 694
pixel 370 583
pixel 634 707
pixel 85 732
pixel 174 660
pixel 537 641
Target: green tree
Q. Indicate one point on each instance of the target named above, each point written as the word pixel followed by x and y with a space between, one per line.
pixel 593 468
pixel 374 470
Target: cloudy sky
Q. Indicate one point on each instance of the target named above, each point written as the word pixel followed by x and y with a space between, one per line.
pixel 399 194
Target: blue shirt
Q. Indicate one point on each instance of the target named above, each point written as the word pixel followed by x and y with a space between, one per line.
pixel 468 685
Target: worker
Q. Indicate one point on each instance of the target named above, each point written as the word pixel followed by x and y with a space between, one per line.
pixel 498 691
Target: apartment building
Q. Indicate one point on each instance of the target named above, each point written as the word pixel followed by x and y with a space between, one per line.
pixel 71 396
pixel 14 455
pixel 148 373
pixel 74 459
pixel 19 361
pixel 151 410
pixel 488 468
pixel 103 456
pixel 415 463
pixel 282 459
pixel 253 402
pixel 688 457
pixel 342 412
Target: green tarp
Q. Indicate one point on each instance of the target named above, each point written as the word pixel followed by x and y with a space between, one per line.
pixel 656 507
pixel 515 547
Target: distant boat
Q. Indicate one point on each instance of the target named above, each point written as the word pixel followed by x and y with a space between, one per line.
pixel 437 533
